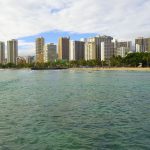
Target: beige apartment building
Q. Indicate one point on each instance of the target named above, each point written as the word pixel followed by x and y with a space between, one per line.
pixel 104 47
pixel 122 48
pixel 97 40
pixel 12 51
pixel 50 52
pixel 90 51
pixel 40 50
pixel 63 48
pixel 2 52
pixel 142 44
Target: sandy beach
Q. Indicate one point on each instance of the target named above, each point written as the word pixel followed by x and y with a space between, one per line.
pixel 111 69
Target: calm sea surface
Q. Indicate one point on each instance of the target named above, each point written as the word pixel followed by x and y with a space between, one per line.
pixel 72 110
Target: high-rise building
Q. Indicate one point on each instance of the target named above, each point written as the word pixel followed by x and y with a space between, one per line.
pixel 122 48
pixel 63 48
pixel 103 45
pixel 40 49
pixel 97 40
pixel 12 51
pixel 2 52
pixel 107 50
pixel 50 53
pixel 142 44
pixel 76 50
pixel 122 51
pixel 90 52
pixel 29 59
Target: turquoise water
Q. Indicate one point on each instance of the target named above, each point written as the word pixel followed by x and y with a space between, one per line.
pixel 71 110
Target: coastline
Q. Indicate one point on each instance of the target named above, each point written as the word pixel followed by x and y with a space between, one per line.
pixel 15 69
pixel 90 69
pixel 111 69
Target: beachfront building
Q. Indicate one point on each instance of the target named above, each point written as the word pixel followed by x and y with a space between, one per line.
pixel 76 51
pixel 50 53
pixel 122 51
pixel 40 50
pixel 97 41
pixel 103 47
pixel 142 44
pixel 63 48
pixel 107 50
pixel 122 48
pixel 12 51
pixel 89 52
pixel 2 52
pixel 29 59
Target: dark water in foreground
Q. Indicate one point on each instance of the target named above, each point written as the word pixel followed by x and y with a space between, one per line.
pixel 66 110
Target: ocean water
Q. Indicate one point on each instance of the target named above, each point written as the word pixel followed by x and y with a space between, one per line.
pixel 73 110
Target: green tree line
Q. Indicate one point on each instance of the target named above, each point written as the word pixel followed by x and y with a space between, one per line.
pixel 131 60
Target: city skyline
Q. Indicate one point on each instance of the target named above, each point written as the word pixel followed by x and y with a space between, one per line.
pixel 48 41
pixel 119 47
pixel 117 18
pixel 98 47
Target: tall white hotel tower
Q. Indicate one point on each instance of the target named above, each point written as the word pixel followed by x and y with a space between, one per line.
pixel 12 51
pixel 2 52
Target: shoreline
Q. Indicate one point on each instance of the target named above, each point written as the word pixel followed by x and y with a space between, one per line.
pixel 90 69
pixel 111 69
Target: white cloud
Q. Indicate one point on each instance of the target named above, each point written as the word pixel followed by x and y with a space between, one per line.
pixel 123 19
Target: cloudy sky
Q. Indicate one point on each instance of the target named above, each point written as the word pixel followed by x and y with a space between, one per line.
pixel 27 19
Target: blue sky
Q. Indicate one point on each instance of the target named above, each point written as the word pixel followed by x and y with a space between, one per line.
pixel 26 20
pixel 52 36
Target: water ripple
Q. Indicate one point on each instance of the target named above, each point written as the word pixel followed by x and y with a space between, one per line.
pixel 49 110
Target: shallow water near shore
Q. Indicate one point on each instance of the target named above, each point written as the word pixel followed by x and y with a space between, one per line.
pixel 74 110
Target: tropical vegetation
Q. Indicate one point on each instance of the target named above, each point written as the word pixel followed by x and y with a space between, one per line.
pixel 131 60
